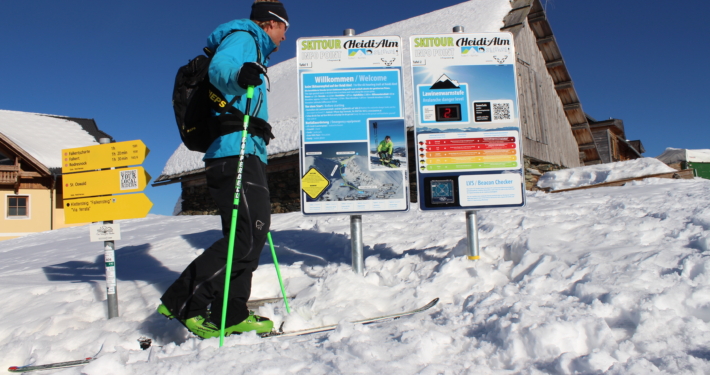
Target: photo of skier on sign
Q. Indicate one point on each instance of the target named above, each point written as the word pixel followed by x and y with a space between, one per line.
pixel 385 149
pixel 390 151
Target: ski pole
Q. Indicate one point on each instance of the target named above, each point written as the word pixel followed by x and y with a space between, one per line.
pixel 278 272
pixel 235 211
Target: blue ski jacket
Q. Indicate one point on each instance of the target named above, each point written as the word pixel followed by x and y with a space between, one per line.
pixel 233 50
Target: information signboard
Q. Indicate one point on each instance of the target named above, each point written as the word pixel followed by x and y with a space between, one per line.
pixel 100 184
pixel 111 181
pixel 107 155
pixel 468 127
pixel 354 142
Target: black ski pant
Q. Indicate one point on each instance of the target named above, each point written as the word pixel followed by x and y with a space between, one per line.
pixel 202 282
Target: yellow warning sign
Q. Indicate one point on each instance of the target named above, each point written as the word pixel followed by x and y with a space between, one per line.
pixel 314 183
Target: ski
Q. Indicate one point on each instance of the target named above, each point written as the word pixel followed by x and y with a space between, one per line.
pixel 332 327
pixel 53 366
pixel 253 304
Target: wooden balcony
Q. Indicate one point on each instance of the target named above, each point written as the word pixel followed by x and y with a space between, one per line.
pixel 9 174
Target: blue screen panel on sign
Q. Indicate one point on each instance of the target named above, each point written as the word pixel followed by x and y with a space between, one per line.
pixel 336 105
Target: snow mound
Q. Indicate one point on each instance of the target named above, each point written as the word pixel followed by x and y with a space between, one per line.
pixel 600 173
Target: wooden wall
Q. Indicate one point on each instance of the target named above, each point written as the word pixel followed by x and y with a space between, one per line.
pixel 547 135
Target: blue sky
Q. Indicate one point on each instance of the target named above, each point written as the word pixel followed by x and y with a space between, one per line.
pixel 115 62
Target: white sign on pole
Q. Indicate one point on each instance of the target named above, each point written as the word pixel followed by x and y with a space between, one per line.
pixel 99 232
pixel 350 100
pixel 468 127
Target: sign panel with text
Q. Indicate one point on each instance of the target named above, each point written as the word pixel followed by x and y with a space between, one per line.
pixel 353 135
pixel 113 207
pixel 467 125
pixel 112 181
pixel 109 155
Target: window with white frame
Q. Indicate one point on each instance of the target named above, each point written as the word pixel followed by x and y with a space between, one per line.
pixel 18 206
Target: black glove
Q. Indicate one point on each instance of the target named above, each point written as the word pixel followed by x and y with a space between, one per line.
pixel 249 74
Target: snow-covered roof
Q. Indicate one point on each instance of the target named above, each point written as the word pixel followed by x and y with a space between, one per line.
pixel 675 155
pixel 44 136
pixel 475 16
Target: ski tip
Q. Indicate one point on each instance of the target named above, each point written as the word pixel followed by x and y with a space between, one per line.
pixel 12 368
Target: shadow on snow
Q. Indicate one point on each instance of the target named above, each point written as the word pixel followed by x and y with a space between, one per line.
pixel 135 263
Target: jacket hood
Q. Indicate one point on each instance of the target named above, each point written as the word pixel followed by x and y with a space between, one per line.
pixel 266 45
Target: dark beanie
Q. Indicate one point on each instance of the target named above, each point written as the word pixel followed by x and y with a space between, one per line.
pixel 260 12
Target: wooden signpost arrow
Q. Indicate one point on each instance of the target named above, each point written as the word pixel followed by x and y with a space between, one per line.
pixel 112 181
pixel 112 207
pixel 109 155
pixel 98 185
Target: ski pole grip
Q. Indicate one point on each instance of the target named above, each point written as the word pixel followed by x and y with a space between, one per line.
pixel 250 92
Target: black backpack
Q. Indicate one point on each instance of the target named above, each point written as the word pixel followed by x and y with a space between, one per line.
pixel 195 99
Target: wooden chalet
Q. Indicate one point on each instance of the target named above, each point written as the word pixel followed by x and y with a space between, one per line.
pixel 30 184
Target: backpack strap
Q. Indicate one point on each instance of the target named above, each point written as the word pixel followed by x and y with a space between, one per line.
pixel 228 108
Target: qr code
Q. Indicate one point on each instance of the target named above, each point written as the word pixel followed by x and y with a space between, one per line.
pixel 501 111
pixel 129 179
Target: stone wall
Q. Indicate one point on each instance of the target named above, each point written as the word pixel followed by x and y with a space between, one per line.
pixel 196 199
pixel 534 169
pixel 284 186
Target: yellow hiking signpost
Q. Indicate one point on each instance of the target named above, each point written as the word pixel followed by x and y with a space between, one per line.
pixel 88 196
pixel 112 207
pixel 112 181
pixel 102 183
pixel 109 155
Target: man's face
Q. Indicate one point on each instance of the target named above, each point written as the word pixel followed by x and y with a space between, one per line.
pixel 277 32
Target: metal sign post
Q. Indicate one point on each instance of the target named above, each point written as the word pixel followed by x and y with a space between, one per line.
pixel 110 261
pixel 471 216
pixel 92 175
pixel 358 257
pixel 472 234
pixel 356 243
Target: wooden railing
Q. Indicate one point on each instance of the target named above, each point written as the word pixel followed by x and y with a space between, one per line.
pixel 9 174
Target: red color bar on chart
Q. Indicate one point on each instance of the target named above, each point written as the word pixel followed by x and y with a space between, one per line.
pixel 467 141
pixel 457 154
pixel 484 146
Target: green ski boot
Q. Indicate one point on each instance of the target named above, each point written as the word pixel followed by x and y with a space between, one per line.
pixel 207 329
pixel 163 310
pixel 202 327
pixel 253 322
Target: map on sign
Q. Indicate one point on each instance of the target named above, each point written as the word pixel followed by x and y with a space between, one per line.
pixel 350 180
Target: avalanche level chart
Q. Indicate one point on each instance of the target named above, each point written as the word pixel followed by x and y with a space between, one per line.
pixel 460 152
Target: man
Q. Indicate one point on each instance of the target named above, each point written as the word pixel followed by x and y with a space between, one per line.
pixel 241 50
pixel 385 149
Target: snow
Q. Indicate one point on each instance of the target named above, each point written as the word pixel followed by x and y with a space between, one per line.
pixel 609 280
pixel 476 16
pixel 43 136
pixel 600 173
